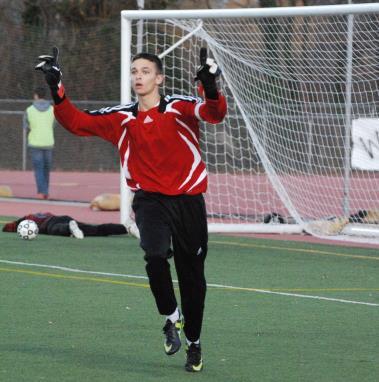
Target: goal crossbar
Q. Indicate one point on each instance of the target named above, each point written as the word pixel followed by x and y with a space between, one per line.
pixel 323 10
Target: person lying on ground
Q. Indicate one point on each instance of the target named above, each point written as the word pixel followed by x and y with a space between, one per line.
pixel 64 225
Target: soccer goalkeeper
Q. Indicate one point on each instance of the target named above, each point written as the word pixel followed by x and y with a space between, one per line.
pixel 158 142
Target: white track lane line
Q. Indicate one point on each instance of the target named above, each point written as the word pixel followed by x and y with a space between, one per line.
pixel 220 286
pixel 51 202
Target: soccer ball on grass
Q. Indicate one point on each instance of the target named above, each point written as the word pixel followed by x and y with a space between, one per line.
pixel 27 230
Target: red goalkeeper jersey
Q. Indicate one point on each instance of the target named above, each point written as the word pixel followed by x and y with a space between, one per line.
pixel 159 148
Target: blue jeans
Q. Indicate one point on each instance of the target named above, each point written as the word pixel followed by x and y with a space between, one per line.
pixel 42 160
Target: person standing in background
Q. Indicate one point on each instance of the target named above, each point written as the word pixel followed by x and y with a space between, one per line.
pixel 39 121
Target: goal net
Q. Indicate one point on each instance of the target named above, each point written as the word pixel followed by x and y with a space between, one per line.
pixel 299 148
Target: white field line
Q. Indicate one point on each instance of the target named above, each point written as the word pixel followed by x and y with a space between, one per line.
pixel 220 286
pixel 293 295
pixel 74 270
pixel 49 202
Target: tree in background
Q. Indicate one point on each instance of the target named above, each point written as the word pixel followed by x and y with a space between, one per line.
pixel 87 32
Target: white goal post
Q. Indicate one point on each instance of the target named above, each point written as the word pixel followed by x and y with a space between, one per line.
pixel 296 80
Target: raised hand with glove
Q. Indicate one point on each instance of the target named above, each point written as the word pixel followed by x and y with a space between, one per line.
pixel 49 65
pixel 207 73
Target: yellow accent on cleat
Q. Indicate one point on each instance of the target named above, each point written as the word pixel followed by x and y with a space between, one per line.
pixel 198 367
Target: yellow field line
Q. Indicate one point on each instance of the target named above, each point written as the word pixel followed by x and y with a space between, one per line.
pixel 79 278
pixel 300 250
pixel 142 285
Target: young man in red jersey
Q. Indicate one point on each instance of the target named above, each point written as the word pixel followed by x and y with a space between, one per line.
pixel 158 141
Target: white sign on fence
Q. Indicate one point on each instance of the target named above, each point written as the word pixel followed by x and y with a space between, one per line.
pixel 365 152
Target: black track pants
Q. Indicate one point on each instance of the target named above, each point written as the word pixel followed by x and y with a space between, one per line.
pixel 58 225
pixel 180 223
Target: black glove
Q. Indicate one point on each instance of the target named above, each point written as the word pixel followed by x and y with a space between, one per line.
pixel 50 67
pixel 207 73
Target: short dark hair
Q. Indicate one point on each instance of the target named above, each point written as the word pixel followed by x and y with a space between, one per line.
pixel 40 91
pixel 150 57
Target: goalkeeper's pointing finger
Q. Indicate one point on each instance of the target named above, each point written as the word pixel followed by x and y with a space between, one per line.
pixel 203 56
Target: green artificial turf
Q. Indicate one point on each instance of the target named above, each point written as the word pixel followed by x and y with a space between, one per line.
pixel 81 310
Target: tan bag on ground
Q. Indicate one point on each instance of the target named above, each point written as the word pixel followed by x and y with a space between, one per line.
pixel 106 202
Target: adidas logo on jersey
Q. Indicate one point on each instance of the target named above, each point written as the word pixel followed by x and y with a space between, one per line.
pixel 147 119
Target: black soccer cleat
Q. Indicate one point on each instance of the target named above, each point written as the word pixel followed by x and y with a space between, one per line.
pixel 172 331
pixel 194 360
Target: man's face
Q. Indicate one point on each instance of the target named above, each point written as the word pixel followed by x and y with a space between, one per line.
pixel 145 78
